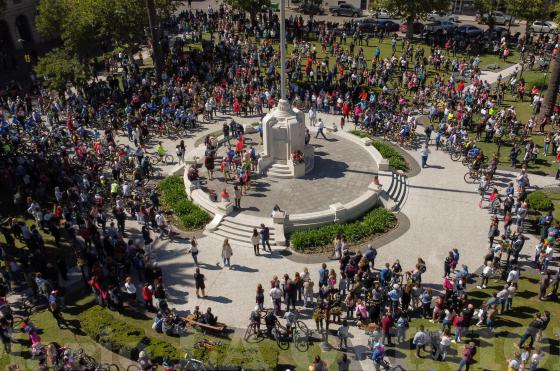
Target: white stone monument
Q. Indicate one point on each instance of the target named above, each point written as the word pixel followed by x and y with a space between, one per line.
pixel 285 154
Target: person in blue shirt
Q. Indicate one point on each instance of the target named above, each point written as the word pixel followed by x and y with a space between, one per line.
pixel 385 275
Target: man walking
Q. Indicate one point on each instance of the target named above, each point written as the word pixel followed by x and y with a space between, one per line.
pixel 320 128
pixel 312 116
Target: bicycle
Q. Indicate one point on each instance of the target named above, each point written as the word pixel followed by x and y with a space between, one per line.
pixel 190 363
pixel 472 176
pixel 207 345
pixel 107 367
pixel 253 330
pixel 165 159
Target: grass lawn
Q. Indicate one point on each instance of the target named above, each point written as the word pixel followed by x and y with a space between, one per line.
pixel 494 348
pixel 235 346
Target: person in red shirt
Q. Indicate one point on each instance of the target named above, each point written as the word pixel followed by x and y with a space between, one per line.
pixel 148 296
pixel 386 323
pixel 460 88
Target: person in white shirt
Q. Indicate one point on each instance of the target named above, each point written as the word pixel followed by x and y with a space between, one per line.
pixel 276 296
pixel 162 225
pixel 502 296
pixel 424 153
pixel 486 273
pixel 312 116
pixel 320 128
pixel 513 275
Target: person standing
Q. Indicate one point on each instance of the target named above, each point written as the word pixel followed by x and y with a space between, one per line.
pixel 181 151
pixel 320 128
pixel 276 297
pixel 237 197
pixel 194 250
pixel 227 252
pixel 420 339
pixel 424 153
pixel 467 356
pixel 312 116
pixel 343 363
pixel 265 238
pixel 255 239
pixel 531 331
pixel 343 336
pixel 199 283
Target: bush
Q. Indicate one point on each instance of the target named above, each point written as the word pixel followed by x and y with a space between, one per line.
pixel 377 221
pixel 392 155
pixel 539 201
pixel 128 340
pixel 186 212
pixel 359 133
pixel 117 336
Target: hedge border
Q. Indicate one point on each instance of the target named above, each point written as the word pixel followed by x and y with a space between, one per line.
pixel 187 214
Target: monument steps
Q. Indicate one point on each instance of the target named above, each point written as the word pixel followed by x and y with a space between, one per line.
pixel 279 171
pixel 396 192
pixel 239 229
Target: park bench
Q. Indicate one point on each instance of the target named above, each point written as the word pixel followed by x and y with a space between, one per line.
pixel 204 327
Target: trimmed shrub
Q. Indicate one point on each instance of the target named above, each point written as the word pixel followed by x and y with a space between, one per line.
pixel 376 221
pixel 539 201
pixel 359 133
pixel 187 214
pixel 392 155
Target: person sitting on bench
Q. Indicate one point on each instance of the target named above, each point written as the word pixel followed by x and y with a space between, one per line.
pixel 209 318
pixel 196 316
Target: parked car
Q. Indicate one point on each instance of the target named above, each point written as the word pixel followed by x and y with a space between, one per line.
pixel 310 9
pixel 382 14
pixel 368 26
pixel 544 26
pixel 389 26
pixel 417 28
pixel 439 26
pixel 442 16
pixel 345 9
pixel 469 30
pixel 499 18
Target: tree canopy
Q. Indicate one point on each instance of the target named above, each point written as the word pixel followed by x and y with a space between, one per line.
pixel 529 11
pixel 412 9
pixel 60 67
pixel 84 24
pixel 250 6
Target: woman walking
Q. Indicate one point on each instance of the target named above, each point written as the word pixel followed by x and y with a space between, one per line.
pixel 255 238
pixel 237 197
pixel 260 296
pixel 227 252
pixel 194 250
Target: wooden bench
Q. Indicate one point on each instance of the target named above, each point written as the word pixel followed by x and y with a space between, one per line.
pixel 204 327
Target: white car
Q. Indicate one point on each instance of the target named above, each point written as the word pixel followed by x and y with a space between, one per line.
pixel 499 18
pixel 381 14
pixel 544 26
pixel 442 17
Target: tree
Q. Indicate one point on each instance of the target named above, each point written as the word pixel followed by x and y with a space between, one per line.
pixel 528 11
pixel 485 9
pixel 251 6
pixel 60 67
pixel 84 24
pixel 554 81
pixel 410 10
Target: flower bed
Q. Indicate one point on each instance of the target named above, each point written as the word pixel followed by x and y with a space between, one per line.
pixel 188 215
pixel 376 221
pixel 396 160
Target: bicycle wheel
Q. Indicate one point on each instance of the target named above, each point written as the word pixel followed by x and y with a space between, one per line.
pixel 168 159
pixel 248 332
pixel 133 368
pixel 301 340
pixel 280 339
pixel 303 328
pixel 154 159
pixel 455 156
pixel 107 367
pixel 468 178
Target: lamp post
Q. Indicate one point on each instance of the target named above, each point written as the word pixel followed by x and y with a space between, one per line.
pixel 282 50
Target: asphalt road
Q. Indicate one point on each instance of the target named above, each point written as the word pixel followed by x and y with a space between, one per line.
pixel 463 19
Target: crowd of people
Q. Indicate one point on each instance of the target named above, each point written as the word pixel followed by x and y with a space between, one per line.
pixel 65 170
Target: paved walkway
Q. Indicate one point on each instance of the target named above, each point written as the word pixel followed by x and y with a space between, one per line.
pixel 342 173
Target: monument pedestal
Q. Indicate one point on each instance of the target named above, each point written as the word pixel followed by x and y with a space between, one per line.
pixel 283 139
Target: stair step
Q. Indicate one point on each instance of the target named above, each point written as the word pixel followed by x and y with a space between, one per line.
pixel 239 232
pixel 279 166
pixel 245 229
pixel 237 239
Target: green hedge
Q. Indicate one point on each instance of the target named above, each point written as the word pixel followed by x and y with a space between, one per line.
pixel 396 161
pixel 121 337
pixel 539 201
pixel 186 212
pixel 376 221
